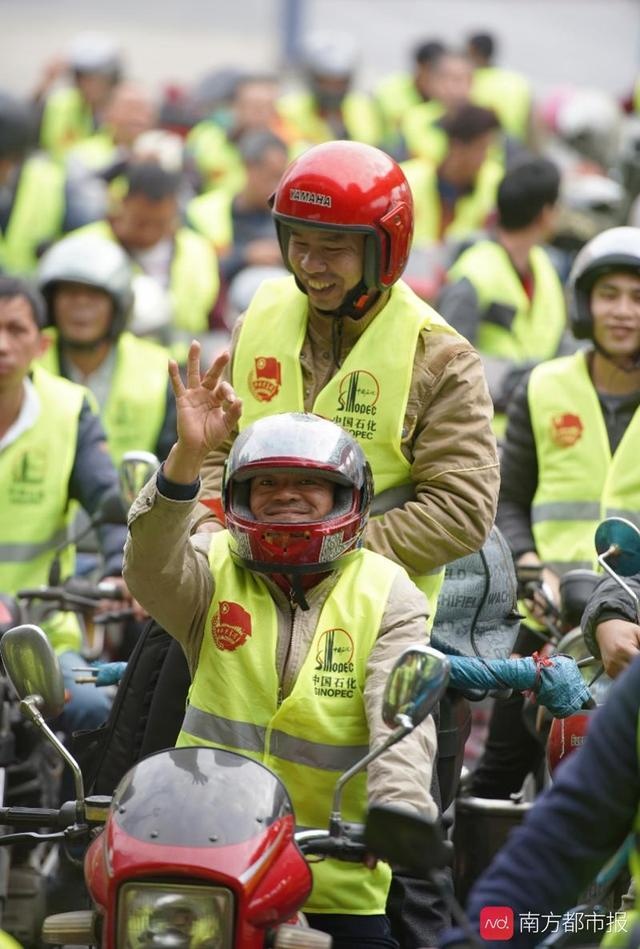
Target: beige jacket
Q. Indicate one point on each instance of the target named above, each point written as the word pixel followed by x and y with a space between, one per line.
pixel 168 572
pixel 447 438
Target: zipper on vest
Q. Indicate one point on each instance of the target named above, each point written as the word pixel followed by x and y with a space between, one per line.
pixel 292 619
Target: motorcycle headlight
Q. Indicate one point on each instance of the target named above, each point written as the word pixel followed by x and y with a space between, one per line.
pixel 171 915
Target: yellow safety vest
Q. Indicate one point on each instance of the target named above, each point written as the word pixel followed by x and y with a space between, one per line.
pixel 137 402
pixel 194 281
pixel 579 481
pixel 210 214
pixel 395 95
pixel 37 215
pixel 536 325
pixel 471 210
pixel 8 942
pixel 423 138
pixel 66 120
pixel 217 159
pixel 508 94
pixel 34 474
pixel 96 151
pixel 316 732
pixel 361 119
pixel 367 396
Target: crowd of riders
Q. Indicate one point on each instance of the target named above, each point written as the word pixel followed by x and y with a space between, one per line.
pixel 444 266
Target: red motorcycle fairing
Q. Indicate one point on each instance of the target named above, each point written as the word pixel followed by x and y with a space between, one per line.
pixel 202 815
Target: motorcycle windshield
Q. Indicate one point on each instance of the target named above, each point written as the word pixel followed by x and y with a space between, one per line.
pixel 198 797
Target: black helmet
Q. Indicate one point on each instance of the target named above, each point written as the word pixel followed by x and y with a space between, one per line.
pixel 615 249
pixel 95 262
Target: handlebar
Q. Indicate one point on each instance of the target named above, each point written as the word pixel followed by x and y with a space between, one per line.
pixel 74 591
pixel 64 816
pixel 347 844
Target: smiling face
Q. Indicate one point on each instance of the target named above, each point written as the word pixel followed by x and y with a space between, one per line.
pixel 290 497
pixel 615 307
pixel 327 263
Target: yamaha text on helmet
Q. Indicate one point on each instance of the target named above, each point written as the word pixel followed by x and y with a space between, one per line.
pixel 617 249
pixel 295 442
pixel 349 186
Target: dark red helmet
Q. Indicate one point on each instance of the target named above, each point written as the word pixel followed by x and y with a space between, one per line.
pixel 296 441
pixel 565 736
pixel 350 186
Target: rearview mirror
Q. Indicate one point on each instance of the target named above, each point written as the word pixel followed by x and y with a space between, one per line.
pixel 618 544
pixel 33 668
pixel 135 470
pixel 416 684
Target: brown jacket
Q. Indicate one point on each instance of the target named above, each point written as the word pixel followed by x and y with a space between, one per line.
pixel 446 437
pixel 168 572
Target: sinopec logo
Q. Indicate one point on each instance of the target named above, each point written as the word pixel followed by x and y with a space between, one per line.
pixel 496 923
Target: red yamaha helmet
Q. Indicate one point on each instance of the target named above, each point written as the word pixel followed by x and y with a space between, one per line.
pixel 350 186
pixel 296 441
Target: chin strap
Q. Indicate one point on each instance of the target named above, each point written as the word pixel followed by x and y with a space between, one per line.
pixel 357 302
pixel 605 355
pixel 297 591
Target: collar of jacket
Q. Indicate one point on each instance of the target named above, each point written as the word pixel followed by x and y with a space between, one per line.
pixel 321 324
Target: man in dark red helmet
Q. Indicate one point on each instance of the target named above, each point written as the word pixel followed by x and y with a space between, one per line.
pixel 289 627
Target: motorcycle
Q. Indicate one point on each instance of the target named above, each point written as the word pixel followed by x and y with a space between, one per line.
pixel 198 845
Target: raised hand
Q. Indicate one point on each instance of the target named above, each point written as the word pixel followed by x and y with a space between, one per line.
pixel 207 411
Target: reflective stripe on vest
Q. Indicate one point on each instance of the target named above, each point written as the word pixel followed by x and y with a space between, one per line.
pixel 367 396
pixel 579 483
pixel 34 474
pixel 471 211
pixel 235 696
pixel 137 402
pixel 250 739
pixel 36 216
pixel 194 280
pixel 537 325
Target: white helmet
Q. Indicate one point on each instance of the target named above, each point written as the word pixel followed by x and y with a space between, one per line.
pixel 94 53
pixel 95 262
pixel 333 55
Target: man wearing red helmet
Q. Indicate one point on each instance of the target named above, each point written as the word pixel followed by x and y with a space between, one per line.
pixel 344 337
pixel 289 627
